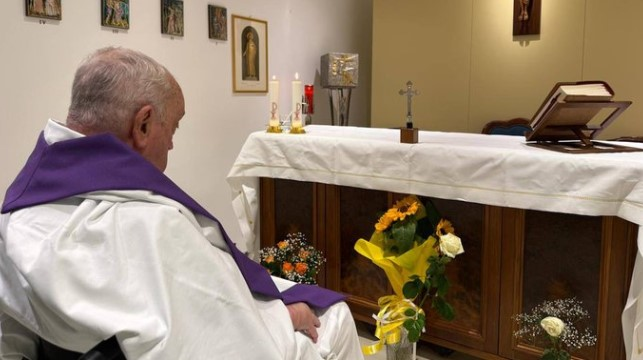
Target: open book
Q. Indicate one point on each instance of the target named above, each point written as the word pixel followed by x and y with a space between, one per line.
pixel 575 113
pixel 574 91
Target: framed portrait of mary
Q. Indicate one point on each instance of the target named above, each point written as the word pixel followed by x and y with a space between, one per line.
pixel 249 54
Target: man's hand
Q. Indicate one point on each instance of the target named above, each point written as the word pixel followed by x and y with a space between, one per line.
pixel 304 319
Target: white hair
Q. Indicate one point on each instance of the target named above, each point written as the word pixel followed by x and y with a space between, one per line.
pixel 112 84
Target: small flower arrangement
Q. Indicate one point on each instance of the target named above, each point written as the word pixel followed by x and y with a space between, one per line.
pixel 559 323
pixel 293 259
pixel 413 244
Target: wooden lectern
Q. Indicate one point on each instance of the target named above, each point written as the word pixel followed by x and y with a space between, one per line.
pixel 562 123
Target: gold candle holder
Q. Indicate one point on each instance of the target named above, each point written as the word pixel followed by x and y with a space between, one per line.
pixel 296 125
pixel 274 129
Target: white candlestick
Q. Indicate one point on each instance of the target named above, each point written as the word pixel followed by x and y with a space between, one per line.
pixel 296 100
pixel 273 89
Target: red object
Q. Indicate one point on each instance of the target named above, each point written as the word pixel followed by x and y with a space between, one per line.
pixel 308 93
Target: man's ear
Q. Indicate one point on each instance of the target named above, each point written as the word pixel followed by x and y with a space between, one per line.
pixel 141 126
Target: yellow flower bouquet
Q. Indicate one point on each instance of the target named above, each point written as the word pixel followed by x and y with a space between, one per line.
pixel 413 245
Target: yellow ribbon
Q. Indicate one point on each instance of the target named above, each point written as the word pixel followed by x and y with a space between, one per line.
pixel 390 320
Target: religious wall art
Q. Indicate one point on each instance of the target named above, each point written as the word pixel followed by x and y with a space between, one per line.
pixel 249 54
pixel 48 9
pixel 115 13
pixel 172 17
pixel 217 22
pixel 526 17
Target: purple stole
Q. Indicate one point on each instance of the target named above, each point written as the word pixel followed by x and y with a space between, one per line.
pixel 102 162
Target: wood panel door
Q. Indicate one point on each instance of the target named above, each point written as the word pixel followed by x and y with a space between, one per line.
pixel 549 256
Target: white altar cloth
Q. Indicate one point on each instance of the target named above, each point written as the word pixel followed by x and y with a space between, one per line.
pixel 487 169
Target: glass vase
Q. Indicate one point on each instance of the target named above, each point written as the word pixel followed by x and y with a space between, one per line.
pixel 402 350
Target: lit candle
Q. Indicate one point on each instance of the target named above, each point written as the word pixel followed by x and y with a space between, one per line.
pixel 273 89
pixel 308 92
pixel 296 101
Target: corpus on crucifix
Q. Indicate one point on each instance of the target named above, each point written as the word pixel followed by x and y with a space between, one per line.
pixel 409 134
pixel 409 92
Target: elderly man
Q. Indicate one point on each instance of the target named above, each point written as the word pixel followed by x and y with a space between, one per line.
pixel 95 241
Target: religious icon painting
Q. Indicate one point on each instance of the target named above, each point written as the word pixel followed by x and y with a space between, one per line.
pixel 217 23
pixel 172 17
pixel 249 54
pixel 48 9
pixel 526 17
pixel 115 13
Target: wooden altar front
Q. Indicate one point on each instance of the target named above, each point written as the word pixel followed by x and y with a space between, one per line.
pixel 518 252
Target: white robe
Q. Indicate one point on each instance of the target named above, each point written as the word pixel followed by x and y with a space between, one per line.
pixel 143 267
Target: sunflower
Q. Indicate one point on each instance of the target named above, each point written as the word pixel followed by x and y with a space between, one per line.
pixel 444 227
pixel 406 207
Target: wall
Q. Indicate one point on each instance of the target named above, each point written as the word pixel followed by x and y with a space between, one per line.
pixel 470 69
pixel 38 62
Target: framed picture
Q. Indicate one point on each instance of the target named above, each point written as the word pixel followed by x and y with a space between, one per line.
pixel 526 20
pixel 249 54
pixel 172 17
pixel 48 9
pixel 114 13
pixel 217 22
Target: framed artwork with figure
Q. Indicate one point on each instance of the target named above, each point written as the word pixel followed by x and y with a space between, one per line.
pixel 526 17
pixel 217 23
pixel 47 9
pixel 115 13
pixel 172 17
pixel 249 54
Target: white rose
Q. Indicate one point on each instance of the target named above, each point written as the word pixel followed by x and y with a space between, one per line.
pixel 451 245
pixel 553 326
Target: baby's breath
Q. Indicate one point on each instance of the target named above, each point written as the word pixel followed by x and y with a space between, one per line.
pixel 293 258
pixel 575 335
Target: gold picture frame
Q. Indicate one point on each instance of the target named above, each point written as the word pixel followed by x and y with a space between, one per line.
pixel 249 55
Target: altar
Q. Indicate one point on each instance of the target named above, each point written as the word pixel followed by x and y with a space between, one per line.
pixel 535 224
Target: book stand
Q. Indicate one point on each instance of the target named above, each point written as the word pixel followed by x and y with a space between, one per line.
pixel 563 126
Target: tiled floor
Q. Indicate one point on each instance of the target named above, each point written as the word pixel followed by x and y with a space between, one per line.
pixel 424 352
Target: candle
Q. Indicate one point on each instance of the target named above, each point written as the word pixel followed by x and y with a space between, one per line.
pixel 273 89
pixel 296 100
pixel 308 93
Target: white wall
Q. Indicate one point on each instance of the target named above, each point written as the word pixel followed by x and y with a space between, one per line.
pixel 38 61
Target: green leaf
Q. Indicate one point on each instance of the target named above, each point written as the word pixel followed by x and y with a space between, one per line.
pixel 443 308
pixel 442 285
pixel 404 233
pixel 564 355
pixel 549 354
pixel 414 327
pixel 412 288
pixel 432 214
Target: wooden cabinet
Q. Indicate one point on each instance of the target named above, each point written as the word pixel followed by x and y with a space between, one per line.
pixel 513 260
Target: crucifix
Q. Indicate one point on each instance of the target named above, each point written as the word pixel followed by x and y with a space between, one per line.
pixel 409 92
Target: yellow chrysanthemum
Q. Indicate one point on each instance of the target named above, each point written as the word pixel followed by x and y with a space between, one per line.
pixel 282 244
pixel 444 227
